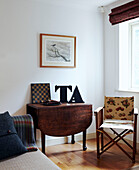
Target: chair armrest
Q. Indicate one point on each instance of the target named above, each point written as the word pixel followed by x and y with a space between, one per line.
pixel 98 110
pixel 135 111
pixel 99 116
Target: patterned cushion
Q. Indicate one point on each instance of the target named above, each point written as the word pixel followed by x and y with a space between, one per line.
pixel 121 108
pixel 40 92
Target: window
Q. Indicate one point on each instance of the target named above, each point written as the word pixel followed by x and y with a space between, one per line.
pixel 135 54
pixel 129 55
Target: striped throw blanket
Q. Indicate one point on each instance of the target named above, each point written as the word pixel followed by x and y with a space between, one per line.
pixel 25 130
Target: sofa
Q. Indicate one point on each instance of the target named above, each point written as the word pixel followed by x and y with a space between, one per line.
pixel 32 158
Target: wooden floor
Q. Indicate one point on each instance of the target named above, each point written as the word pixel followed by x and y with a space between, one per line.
pixel 71 157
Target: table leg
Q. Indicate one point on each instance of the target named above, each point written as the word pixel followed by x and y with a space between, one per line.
pixel 43 142
pixel 72 140
pixel 84 141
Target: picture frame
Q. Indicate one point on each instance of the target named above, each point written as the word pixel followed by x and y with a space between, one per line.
pixel 57 51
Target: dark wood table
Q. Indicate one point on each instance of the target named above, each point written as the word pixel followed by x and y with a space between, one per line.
pixel 62 120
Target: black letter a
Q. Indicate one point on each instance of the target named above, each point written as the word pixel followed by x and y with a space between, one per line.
pixel 76 97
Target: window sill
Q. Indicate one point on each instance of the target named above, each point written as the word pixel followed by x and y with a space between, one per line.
pixel 128 90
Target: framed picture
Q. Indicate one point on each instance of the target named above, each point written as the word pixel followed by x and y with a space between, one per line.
pixel 57 51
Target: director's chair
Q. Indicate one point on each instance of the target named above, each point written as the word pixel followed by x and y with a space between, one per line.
pixel 117 113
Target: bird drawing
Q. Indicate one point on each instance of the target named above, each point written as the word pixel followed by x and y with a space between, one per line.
pixel 57 53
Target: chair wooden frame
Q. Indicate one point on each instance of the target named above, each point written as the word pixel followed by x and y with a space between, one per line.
pixel 119 136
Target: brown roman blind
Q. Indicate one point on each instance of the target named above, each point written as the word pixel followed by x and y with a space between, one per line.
pixel 124 12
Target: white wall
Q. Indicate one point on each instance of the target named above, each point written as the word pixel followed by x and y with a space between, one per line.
pixel 21 22
pixel 111 46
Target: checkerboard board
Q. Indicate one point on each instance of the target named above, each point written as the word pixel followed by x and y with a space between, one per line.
pixel 40 92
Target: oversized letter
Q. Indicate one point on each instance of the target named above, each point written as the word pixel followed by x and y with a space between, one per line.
pixel 63 92
pixel 76 97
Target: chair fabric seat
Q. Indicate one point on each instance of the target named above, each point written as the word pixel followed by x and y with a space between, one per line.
pixel 118 124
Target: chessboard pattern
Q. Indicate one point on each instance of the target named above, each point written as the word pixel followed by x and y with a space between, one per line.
pixel 40 92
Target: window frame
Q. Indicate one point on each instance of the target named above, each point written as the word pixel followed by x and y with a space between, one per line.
pixel 126 57
pixel 131 52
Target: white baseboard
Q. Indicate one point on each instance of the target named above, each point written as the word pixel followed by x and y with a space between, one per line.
pixel 62 140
